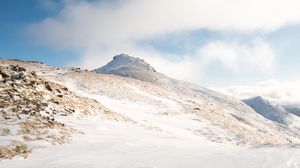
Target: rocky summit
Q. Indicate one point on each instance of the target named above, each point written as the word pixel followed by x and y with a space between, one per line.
pixel 124 61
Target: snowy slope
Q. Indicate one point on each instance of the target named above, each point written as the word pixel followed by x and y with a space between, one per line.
pixel 35 113
pixel 169 125
pixel 180 108
pixel 113 145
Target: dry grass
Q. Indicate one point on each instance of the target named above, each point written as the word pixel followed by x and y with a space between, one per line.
pixel 54 133
pixel 14 149
pixel 5 132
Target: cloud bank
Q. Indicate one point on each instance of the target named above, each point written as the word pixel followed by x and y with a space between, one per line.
pixel 97 23
pixel 235 56
pixel 286 92
pixel 100 29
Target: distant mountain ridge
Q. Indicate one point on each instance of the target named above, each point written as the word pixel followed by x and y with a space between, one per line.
pixel 273 111
pixel 267 109
pixel 292 108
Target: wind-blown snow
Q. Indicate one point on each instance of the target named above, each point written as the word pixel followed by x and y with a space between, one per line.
pixel 170 127
pixel 113 145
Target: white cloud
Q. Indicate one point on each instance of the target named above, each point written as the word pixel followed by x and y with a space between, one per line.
pixel 85 23
pixel 255 55
pixel 98 30
pixel 286 92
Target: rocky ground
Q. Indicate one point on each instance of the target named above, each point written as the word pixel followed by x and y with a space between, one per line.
pixel 36 110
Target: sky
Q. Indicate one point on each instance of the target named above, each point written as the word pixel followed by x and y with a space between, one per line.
pixel 214 43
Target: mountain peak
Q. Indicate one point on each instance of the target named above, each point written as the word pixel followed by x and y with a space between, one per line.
pixel 123 56
pixel 125 62
pixel 259 99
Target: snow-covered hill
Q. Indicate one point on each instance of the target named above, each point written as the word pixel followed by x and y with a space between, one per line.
pixel 274 112
pixel 176 107
pixel 147 116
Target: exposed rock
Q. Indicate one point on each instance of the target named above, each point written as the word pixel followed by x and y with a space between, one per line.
pixel 48 87
pixel 33 105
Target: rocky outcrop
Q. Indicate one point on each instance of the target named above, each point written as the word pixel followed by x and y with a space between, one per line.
pixel 33 109
pixel 30 105
pixel 124 61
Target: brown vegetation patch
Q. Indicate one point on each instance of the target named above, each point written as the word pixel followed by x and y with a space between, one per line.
pixel 15 148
